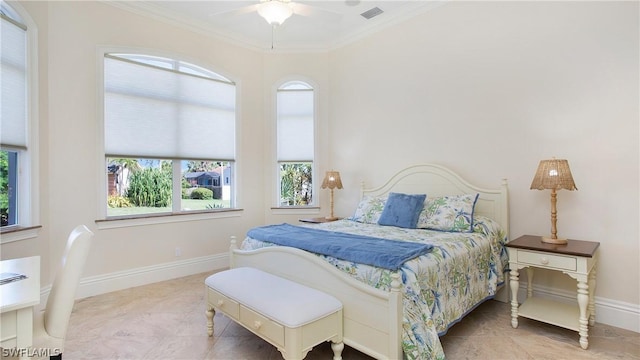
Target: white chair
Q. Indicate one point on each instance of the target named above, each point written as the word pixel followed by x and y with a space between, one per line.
pixel 50 325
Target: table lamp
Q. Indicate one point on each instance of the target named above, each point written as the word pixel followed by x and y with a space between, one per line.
pixel 553 174
pixel 331 181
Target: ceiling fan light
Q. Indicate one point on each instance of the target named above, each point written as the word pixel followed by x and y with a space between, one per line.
pixel 275 11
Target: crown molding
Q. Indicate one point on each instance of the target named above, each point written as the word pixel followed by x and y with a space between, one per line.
pixel 377 24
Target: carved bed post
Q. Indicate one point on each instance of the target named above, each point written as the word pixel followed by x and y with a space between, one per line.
pixel 395 316
pixel 233 246
pixel 504 214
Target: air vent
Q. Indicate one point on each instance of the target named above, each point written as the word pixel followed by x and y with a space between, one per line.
pixel 372 12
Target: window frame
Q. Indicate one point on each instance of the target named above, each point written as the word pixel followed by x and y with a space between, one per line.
pixel 314 206
pixel 103 220
pixel 28 192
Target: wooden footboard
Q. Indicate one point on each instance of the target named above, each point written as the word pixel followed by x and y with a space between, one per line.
pixel 372 317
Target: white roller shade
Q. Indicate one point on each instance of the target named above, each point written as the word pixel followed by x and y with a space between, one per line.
pixel 161 113
pixel 295 125
pixel 13 80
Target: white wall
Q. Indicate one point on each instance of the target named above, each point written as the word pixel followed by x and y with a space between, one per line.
pixel 485 88
pixel 490 89
pixel 280 68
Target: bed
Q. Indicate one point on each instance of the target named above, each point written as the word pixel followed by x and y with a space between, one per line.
pixel 394 314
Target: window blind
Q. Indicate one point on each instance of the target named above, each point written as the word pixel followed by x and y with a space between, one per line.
pixel 162 113
pixel 295 125
pixel 13 91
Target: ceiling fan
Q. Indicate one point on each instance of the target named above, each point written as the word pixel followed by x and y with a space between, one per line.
pixel 275 12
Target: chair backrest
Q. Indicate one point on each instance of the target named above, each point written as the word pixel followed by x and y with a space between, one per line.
pixel 65 284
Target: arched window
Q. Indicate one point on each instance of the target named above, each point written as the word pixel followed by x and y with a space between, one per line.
pixel 169 136
pixel 295 120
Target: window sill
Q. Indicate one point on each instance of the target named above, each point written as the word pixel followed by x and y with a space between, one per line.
pixel 121 222
pixel 17 233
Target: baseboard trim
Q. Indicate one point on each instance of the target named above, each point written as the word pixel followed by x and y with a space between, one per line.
pixel 119 280
pixel 610 312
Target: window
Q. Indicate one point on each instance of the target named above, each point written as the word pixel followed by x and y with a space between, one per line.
pixel 295 143
pixel 169 136
pixel 15 156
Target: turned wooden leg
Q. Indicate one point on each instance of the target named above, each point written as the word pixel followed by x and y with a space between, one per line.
pixel 529 282
pixel 592 292
pixel 337 350
pixel 583 302
pixel 210 312
pixel 514 283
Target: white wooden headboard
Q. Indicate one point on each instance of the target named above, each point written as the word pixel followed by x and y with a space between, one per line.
pixel 435 180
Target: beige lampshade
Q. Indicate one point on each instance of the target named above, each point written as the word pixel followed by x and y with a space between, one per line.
pixel 553 174
pixel 332 180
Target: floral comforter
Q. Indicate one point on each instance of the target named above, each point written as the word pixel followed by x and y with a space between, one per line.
pixel 462 271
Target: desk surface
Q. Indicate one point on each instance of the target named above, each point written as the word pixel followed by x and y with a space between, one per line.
pixel 22 293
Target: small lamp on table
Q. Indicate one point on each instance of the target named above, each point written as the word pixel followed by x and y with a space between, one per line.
pixel 331 181
pixel 553 174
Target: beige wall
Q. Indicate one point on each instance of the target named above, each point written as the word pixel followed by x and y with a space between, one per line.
pixel 280 68
pixel 490 89
pixel 71 33
pixel 487 89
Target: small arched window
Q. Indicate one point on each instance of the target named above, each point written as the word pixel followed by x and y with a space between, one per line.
pixel 295 122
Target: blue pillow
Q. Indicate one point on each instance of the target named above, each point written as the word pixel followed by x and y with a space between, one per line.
pixel 402 210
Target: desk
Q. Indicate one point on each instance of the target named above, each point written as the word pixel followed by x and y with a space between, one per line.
pixel 17 300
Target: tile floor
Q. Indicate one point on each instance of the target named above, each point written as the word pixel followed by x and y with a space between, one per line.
pixel 166 321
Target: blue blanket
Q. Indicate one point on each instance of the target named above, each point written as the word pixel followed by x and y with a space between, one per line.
pixel 384 253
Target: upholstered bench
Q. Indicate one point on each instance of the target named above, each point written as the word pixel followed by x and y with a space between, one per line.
pixel 292 317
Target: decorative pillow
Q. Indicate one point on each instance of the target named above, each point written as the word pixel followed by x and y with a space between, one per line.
pixel 449 213
pixel 369 209
pixel 402 210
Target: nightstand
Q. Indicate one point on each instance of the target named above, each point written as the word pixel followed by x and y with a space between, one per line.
pixel 317 220
pixel 577 259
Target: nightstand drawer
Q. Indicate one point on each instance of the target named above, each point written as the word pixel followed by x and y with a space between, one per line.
pixel 547 260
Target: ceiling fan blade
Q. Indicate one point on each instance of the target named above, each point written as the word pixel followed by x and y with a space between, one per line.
pixel 236 11
pixel 315 12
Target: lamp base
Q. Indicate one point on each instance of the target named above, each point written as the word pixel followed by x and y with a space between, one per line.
pixel 549 240
pixel 331 218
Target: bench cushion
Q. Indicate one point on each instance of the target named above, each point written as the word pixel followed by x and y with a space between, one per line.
pixel 287 302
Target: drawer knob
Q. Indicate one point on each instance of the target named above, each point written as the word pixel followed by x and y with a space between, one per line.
pixel 257 324
pixel 544 261
pixel 220 302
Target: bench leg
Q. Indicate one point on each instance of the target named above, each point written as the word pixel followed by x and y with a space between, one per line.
pixel 210 312
pixel 337 350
